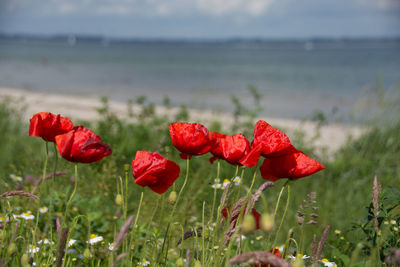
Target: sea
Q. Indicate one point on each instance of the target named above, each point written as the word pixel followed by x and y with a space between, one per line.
pixel 293 78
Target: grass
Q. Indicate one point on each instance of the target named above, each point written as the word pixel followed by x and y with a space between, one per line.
pixel 107 195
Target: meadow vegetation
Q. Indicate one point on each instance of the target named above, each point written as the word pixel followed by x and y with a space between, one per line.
pixel 361 233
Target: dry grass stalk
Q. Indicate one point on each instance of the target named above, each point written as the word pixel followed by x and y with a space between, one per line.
pixel 197 232
pixel 187 257
pixel 376 188
pixel 119 257
pixel 254 198
pixel 61 246
pixel 123 232
pixel 18 193
pixel 318 251
pixel 314 249
pixel 58 227
pixel 258 257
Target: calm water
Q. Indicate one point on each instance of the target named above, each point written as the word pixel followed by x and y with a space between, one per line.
pixel 295 78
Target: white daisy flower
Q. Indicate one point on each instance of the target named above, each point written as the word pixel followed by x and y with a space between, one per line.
pixel 71 242
pixel 15 178
pixel 110 246
pixel 301 256
pixel 225 183
pixel 242 237
pixel 33 249
pixel 45 241
pixel 27 216
pixel 237 180
pixel 217 181
pixel 95 239
pixel 216 186
pixel 327 263
pixel 43 210
pixel 144 263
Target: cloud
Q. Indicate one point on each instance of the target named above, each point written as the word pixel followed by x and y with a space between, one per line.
pixel 223 7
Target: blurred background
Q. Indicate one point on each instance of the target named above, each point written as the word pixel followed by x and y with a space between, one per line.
pixel 303 57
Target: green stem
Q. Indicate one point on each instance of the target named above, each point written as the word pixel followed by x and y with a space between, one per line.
pixel 182 188
pixel 138 211
pixel 73 193
pixel 44 183
pixel 202 237
pixel 283 216
pixel 51 209
pixel 215 191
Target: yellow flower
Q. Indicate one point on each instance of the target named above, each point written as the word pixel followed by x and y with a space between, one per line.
pixel 337 232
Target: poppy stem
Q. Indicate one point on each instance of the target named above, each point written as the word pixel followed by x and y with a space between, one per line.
pixel 283 216
pixel 138 211
pixel 73 193
pixel 45 168
pixel 215 190
pixel 182 188
pixel 54 177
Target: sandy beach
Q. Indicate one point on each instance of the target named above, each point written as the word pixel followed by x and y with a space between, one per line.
pixel 332 136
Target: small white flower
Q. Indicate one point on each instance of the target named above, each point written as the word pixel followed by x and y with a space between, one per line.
pixel 110 246
pixel 33 249
pixel 71 242
pixel 225 183
pixel 301 256
pixel 327 263
pixel 45 241
pixel 95 239
pixel 237 180
pixel 144 263
pixel 27 216
pixel 15 178
pixel 242 237
pixel 216 186
pixel 43 210
pixel 217 181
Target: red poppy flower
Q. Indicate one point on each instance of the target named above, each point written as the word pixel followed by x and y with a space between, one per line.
pixel 82 145
pixel 48 125
pixel 294 166
pixel 154 171
pixel 230 148
pixel 274 251
pixel 267 142
pixel 216 150
pixel 256 215
pixel 190 138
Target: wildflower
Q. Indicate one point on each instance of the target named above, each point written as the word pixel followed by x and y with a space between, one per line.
pixel 27 216
pixel 43 210
pixel 154 171
pixel 240 237
pixel 75 209
pixel 216 150
pixel 47 126
pixel 33 249
pixel 59 214
pixel 342 238
pixel 267 142
pixel 71 242
pixel 327 263
pixel 95 239
pixel 337 232
pixel 82 145
pixel 294 165
pixel 217 184
pixel 274 251
pixel 300 256
pixel 45 241
pixel 1 219
pixel 144 263
pixel 237 180
pixel 191 139
pixel 226 183
pixel 110 246
pixel 15 178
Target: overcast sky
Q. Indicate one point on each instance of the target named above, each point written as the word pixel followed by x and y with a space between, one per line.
pixel 203 18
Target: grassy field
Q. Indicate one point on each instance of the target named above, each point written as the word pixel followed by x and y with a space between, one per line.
pixel 107 195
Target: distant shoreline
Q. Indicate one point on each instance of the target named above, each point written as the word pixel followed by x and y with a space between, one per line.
pixel 332 136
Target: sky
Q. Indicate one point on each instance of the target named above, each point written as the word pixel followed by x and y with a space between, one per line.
pixel 201 19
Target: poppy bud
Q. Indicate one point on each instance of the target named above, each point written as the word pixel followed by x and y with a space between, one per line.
pixel 298 262
pixel 126 167
pixel 197 264
pixel 172 198
pixel 86 254
pixel 119 200
pixel 249 224
pixel 179 262
pixel 24 260
pixel 267 223
pixel 12 248
pixel 3 235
